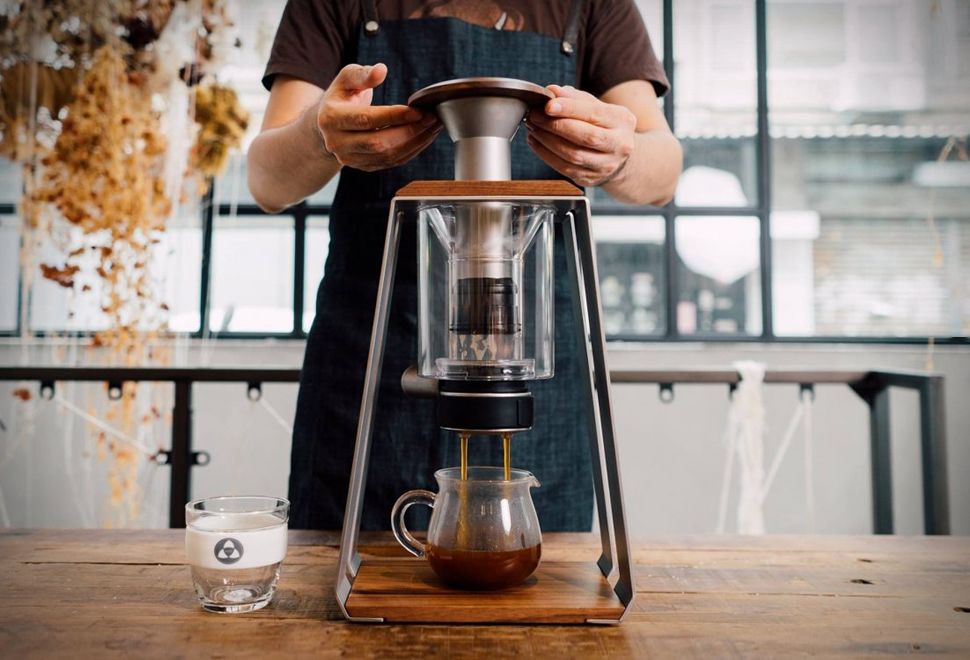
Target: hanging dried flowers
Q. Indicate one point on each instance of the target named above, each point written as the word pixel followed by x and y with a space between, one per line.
pixel 54 90
pixel 59 33
pixel 87 87
pixel 222 124
pixel 97 101
pixel 104 177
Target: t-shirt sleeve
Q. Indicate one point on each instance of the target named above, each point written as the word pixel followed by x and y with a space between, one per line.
pixel 311 42
pixel 617 48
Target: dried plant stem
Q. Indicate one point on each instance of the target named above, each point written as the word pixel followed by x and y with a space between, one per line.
pixel 105 427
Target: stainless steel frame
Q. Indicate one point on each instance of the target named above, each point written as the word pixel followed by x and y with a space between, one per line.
pixel 573 213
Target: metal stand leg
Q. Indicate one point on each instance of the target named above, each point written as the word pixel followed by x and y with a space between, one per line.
pixel 349 560
pixel 604 436
pixel 876 395
pixel 882 470
pixel 936 502
pixel 580 313
pixel 180 455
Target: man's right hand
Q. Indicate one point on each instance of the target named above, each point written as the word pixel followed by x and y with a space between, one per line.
pixel 368 137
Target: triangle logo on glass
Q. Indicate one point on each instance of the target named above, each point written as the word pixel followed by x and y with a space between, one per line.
pixel 228 550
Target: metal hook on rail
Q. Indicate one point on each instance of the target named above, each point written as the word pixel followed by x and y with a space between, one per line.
pixel 666 392
pixel 254 391
pixel 806 388
pixel 47 390
pixel 115 390
pixel 164 457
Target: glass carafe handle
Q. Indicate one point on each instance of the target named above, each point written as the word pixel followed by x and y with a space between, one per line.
pixel 401 532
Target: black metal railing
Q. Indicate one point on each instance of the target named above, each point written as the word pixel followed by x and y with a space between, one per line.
pixel 871 386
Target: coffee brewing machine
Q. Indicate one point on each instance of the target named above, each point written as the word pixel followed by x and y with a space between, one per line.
pixel 485 319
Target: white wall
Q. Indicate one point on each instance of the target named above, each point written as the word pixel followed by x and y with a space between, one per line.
pixel 673 456
pixel 672 453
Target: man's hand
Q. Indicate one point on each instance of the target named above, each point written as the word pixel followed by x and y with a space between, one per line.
pixel 582 137
pixel 367 137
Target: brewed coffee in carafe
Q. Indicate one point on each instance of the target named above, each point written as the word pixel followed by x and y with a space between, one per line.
pixel 484 533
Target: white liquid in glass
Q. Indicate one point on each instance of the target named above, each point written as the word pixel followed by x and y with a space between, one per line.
pixel 235 559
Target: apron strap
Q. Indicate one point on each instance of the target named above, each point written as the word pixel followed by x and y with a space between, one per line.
pixel 371 22
pixel 570 36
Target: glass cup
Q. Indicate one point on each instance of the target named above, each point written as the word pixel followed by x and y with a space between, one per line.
pixel 235 546
pixel 484 533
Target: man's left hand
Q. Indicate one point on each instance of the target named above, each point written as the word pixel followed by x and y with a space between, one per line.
pixel 581 137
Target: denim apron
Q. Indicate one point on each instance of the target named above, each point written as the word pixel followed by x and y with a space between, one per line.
pixel 407 446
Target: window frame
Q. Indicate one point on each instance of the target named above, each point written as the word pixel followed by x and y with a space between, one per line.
pixel 670 212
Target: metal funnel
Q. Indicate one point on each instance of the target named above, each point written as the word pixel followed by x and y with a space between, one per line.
pixel 481 115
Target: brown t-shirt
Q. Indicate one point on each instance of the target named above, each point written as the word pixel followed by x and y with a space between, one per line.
pixel 316 38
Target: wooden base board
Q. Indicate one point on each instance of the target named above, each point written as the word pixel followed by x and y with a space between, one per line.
pixel 406 590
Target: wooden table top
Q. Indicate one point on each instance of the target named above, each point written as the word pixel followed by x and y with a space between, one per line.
pixel 96 593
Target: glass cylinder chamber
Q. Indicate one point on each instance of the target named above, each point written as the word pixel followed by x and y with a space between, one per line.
pixel 485 299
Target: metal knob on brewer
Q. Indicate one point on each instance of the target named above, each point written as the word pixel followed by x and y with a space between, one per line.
pixel 481 116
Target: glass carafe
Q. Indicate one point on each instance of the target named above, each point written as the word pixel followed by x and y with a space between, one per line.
pixel 484 532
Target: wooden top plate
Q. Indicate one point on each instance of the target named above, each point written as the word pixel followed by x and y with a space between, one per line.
pixel 521 188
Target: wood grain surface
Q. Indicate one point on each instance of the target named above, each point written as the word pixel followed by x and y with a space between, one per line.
pixel 97 593
pixel 520 188
pixel 406 590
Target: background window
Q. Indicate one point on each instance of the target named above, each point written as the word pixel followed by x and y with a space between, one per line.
pixel 11 181
pixel 55 308
pixel 715 100
pixel 868 108
pixel 9 271
pixel 870 227
pixel 317 249
pixel 630 260
pixel 719 284
pixel 252 275
pixel 802 50
pixel 179 257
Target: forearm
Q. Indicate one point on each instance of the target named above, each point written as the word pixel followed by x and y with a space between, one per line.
pixel 650 174
pixel 289 163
